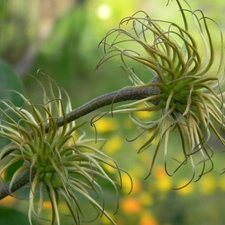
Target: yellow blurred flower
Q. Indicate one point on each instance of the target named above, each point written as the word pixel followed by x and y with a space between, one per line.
pixel 145 114
pixel 185 189
pixel 163 183
pixel 105 125
pixel 113 144
pixel 105 220
pixel 127 183
pixel 208 185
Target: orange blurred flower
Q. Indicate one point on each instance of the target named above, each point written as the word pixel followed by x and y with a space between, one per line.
pixel 131 205
pixel 148 220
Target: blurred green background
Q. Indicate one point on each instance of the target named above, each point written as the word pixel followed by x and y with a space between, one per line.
pixel 61 37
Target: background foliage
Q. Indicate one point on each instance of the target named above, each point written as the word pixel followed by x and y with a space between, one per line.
pixel 61 38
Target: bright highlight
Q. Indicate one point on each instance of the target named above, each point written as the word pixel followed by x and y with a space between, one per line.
pixel 104 12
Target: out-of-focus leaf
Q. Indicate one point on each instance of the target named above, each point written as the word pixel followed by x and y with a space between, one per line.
pixel 12 216
pixel 8 81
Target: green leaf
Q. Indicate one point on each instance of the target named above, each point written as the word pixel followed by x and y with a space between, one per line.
pixel 9 81
pixel 12 216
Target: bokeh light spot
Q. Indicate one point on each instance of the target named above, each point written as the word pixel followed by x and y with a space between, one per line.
pixel 104 12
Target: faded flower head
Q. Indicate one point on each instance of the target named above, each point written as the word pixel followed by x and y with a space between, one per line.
pixel 66 167
pixel 187 70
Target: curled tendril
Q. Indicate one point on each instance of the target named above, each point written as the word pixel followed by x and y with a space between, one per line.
pixel 63 165
pixel 189 66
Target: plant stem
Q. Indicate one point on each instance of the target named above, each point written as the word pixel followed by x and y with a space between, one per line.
pixel 24 178
pixel 130 93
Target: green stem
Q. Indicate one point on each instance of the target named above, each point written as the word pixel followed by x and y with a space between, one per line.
pixel 130 93
pixel 22 179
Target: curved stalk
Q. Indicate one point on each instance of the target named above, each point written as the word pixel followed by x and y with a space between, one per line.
pixel 24 178
pixel 130 93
